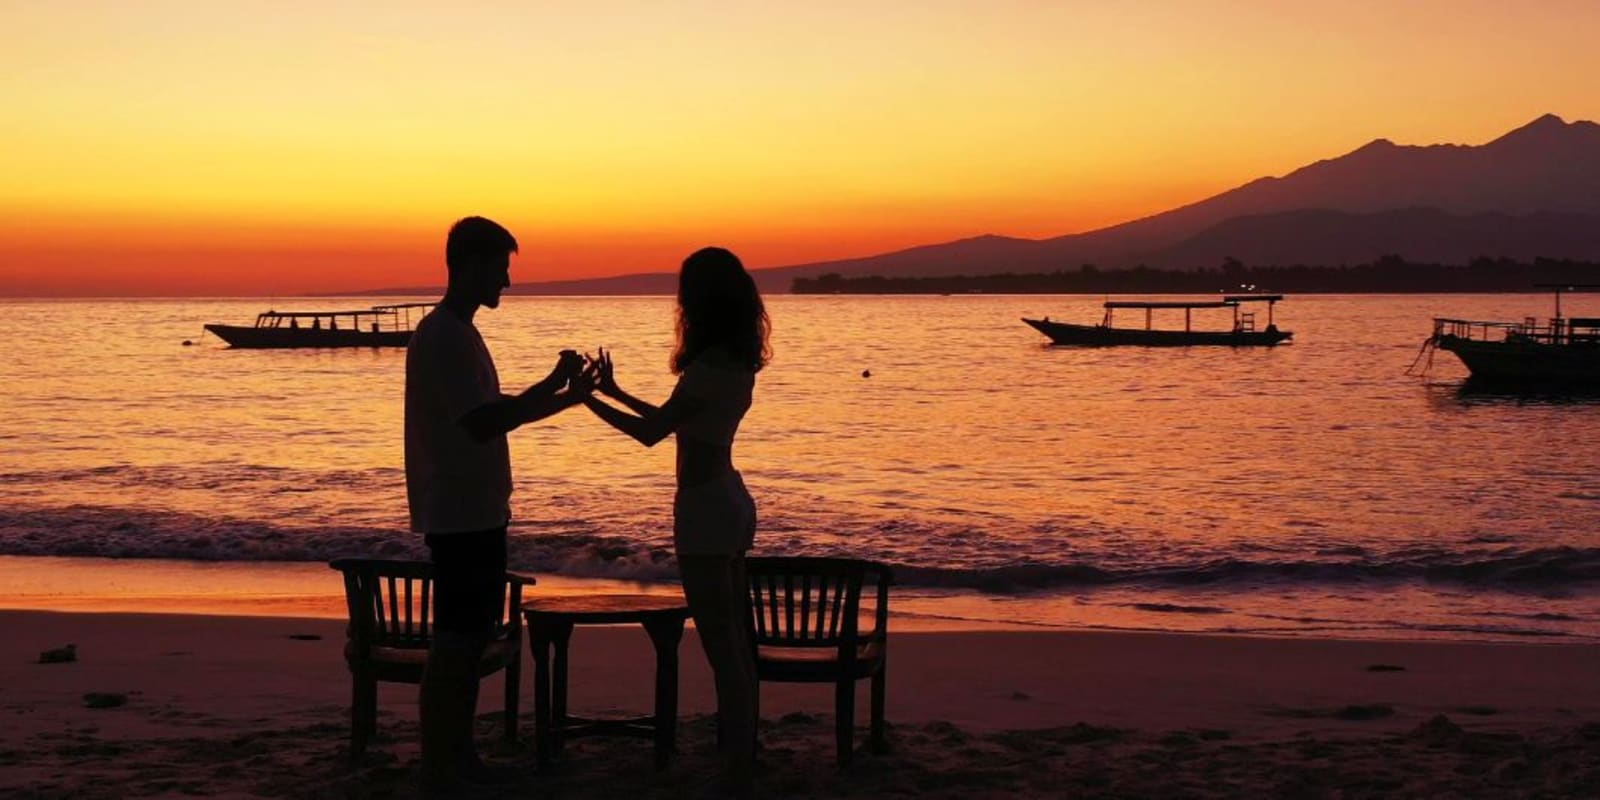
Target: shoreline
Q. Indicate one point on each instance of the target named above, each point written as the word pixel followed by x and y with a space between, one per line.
pixel 276 590
pixel 310 590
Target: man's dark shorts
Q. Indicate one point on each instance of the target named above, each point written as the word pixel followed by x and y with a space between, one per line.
pixel 469 580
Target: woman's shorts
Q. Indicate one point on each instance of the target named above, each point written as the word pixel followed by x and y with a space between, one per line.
pixel 714 518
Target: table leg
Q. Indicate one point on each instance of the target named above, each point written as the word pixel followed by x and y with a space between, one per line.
pixel 562 635
pixel 539 637
pixel 665 635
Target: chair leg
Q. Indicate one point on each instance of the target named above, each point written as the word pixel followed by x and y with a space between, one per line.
pixel 880 739
pixel 844 709
pixel 363 713
pixel 513 698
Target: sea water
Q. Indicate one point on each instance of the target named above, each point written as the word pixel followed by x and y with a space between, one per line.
pixel 1311 489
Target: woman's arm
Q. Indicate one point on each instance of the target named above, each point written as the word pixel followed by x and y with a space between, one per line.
pixel 647 428
pixel 606 382
pixel 638 406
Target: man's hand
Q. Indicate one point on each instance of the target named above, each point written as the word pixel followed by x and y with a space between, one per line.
pixel 583 383
pixel 568 365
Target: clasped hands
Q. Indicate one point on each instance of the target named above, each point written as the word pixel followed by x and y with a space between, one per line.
pixel 582 374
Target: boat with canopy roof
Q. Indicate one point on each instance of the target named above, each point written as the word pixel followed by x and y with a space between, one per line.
pixel 1243 332
pixel 378 326
pixel 1561 352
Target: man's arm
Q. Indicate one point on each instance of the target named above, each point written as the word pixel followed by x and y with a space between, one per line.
pixel 538 401
pixel 504 416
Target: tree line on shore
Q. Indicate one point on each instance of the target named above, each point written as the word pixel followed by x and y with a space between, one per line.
pixel 1385 275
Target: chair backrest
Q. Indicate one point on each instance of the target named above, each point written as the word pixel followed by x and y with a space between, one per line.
pixel 813 602
pixel 390 602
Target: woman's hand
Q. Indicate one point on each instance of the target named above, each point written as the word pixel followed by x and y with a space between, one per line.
pixel 605 380
pixel 605 376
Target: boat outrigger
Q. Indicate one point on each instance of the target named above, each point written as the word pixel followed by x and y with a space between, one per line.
pixel 378 326
pixel 1243 333
pixel 1561 352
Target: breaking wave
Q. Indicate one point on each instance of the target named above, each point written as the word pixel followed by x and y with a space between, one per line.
pixel 577 547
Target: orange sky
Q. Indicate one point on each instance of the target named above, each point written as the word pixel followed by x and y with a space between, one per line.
pixel 281 147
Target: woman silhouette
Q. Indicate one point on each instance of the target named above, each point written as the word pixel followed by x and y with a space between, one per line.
pixel 722 344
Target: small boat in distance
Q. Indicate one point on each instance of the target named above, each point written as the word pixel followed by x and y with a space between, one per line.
pixel 1526 355
pixel 378 326
pixel 1242 334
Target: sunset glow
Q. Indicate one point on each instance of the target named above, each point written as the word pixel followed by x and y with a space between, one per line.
pixel 276 148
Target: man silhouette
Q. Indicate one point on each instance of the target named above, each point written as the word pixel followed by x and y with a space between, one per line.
pixel 458 483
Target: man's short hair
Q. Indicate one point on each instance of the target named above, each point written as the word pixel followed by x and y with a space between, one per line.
pixel 474 240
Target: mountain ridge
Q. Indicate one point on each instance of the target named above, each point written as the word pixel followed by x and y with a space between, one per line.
pixel 1542 179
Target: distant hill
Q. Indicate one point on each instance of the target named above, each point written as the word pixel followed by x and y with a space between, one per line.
pixel 1534 192
pixel 1424 235
pixel 1388 274
pixel 642 283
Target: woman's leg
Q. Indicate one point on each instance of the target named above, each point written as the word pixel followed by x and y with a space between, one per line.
pixel 713 587
pixel 744 650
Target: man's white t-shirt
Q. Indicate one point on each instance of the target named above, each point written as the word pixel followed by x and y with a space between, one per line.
pixel 454 483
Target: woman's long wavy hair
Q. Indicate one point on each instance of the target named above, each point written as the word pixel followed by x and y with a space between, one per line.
pixel 719 305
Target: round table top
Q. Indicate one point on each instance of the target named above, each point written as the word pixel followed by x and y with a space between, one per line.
pixel 605 608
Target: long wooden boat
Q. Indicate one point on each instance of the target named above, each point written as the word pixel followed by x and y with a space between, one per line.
pixel 378 326
pixel 1242 334
pixel 1561 352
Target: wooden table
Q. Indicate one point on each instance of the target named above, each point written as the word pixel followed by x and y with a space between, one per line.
pixel 550 621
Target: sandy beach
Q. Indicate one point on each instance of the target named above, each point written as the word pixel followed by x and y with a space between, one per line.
pixel 257 707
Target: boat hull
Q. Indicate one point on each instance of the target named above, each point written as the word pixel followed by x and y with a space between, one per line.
pixel 1527 363
pixel 1066 333
pixel 278 338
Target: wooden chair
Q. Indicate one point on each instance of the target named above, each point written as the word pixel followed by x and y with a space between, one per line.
pixel 805 622
pixel 391 611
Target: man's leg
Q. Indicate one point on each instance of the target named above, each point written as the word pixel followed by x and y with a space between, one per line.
pixel 446 704
pixel 489 600
pixel 469 585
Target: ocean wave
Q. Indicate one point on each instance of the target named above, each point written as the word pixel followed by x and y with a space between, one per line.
pixel 211 477
pixel 1175 608
pixel 573 546
pixel 568 548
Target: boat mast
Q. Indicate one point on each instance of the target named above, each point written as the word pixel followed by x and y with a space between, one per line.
pixel 1557 323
